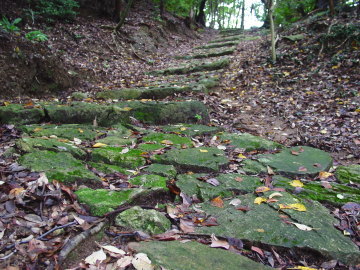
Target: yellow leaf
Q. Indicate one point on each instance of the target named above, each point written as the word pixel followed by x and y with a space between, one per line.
pixel 241 156
pixel 203 150
pixel 37 129
pixel 275 194
pixel 97 145
pixel 262 189
pixel 324 131
pixel 295 206
pixel 335 67
pixel 302 268
pixel 183 128
pixel 260 230
pixel 218 202
pixel 286 73
pixel 80 130
pixel 167 142
pixel 6 103
pixel 126 109
pixel 324 175
pixel 302 227
pixel 259 200
pixel 16 191
pixel 296 183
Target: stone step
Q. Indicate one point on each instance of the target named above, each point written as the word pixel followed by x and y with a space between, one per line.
pixel 227 39
pixel 209 54
pixel 218 45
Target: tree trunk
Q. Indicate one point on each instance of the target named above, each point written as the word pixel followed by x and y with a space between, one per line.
pixel 272 29
pixel 123 15
pixel 200 17
pixel 162 8
pixel 243 16
pixel 331 8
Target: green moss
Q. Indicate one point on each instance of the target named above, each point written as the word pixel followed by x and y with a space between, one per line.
pixel 108 169
pixel 168 171
pixel 253 167
pixel 149 221
pixel 149 180
pixel 79 96
pixel 102 201
pixel 249 142
pixel 165 139
pixel 191 129
pixel 347 174
pixel 58 166
pixel 112 155
pixel 116 141
pixel 219 45
pixel 306 161
pixel 18 114
pixel 208 54
pixel 148 147
pixel 33 144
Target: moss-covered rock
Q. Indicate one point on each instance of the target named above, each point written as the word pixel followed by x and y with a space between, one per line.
pixel 294 38
pixel 202 159
pixel 208 55
pixel 218 45
pixel 149 147
pixel 149 221
pixel 79 96
pixel 20 114
pixel 67 131
pixel 102 201
pixel 253 167
pixel 108 169
pixel 226 39
pixel 249 142
pixel 131 159
pixel 220 64
pixel 62 167
pixel 192 255
pixel 229 184
pixel 168 139
pixel 300 160
pixel 116 141
pixel 149 180
pixel 191 130
pixel 264 223
pixel 168 171
pixel 338 194
pixel 347 174
pixel 28 145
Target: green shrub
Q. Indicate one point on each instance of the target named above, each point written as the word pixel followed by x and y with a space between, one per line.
pixel 10 26
pixel 36 36
pixel 52 10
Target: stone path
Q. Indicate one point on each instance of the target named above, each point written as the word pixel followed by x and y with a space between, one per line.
pixel 222 178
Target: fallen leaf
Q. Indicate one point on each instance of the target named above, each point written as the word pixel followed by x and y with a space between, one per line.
pixel 183 128
pixel 294 153
pixel 295 206
pixel 203 150
pixel 125 150
pixel 296 183
pixel 260 200
pixel 340 196
pixel 142 262
pixel 216 243
pixel 114 250
pixel 239 179
pixel 325 175
pixel 302 226
pixel 270 171
pixel 217 202
pixel 262 189
pixel 124 262
pixel 275 194
pixel 167 142
pixel 302 268
pixel 260 230
pixel 221 147
pixel 326 184
pixel 241 156
pixel 235 202
pixel 302 169
pixel 187 226
pixel 258 250
pixel 243 208
pixel 97 256
pixel 77 141
pixel 98 145
pixel 213 181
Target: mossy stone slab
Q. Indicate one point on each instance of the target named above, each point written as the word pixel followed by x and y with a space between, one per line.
pixel 229 184
pixel 253 167
pixel 62 167
pixel 263 223
pixel 249 142
pixel 208 54
pixel 149 221
pixel 168 140
pixel 218 45
pixel 338 194
pixel 161 113
pixel 131 159
pixel 307 161
pixel 116 141
pixel 86 113
pixel 108 169
pixel 67 131
pixel 149 147
pixel 102 201
pixel 149 180
pixel 347 174
pixel 28 145
pixel 20 115
pixel 191 130
pixel 174 255
pixel 233 38
pixel 168 171
pixel 202 159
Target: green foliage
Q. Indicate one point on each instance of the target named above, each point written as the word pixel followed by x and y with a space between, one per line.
pixel 10 26
pixel 52 10
pixel 289 11
pixel 341 34
pixel 36 36
pixel 181 8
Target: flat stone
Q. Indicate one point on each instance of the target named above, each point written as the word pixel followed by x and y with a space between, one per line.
pixel 218 45
pixel 119 156
pixel 300 160
pixel 294 37
pixel 202 159
pixel 264 224
pixel 148 221
pixel 61 167
pixel 79 96
pixel 347 174
pixel 149 147
pixel 193 255
pixel 66 131
pixel 168 171
pixel 249 142
pixel 229 184
pixel 252 167
pixel 27 145
pixel 168 140
pixel 337 195
pixel 20 114
pixel 208 54
pixel 191 130
pixel 232 38
pixel 116 141
pixel 102 201
pixel 107 168
pixel 149 180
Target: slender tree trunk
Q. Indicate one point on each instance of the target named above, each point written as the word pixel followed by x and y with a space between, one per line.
pixel 123 15
pixel 162 8
pixel 331 8
pixel 272 30
pixel 243 16
pixel 200 18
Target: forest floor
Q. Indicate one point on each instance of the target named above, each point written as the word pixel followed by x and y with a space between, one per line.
pixel 307 98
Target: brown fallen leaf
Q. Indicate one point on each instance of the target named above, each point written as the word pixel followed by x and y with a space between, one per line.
pixel 258 250
pixel 295 153
pixel 217 202
pixel 187 226
pixel 216 243
pixel 243 208
pixel 302 169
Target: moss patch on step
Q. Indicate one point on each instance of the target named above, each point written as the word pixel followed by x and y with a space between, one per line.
pixel 108 169
pixel 168 140
pixel 149 180
pixel 168 171
pixel 347 174
pixel 19 114
pixel 191 130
